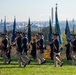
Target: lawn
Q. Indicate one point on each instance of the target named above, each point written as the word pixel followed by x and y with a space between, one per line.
pixel 34 69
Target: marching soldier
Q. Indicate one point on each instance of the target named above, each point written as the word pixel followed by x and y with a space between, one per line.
pixel 74 49
pixel 56 51
pixel 25 47
pixel 4 47
pixel 41 60
pixel 8 49
pixel 19 48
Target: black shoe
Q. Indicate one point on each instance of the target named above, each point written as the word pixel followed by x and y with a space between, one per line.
pixel 29 61
pixel 9 61
pixel 61 64
pixel 24 65
pixel 43 62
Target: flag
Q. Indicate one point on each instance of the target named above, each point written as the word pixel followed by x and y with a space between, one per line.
pixel 50 30
pixel 57 27
pixel 29 31
pixel 14 30
pixel 67 31
pixel 4 29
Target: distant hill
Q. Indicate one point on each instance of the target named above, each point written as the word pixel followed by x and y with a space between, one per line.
pixel 37 25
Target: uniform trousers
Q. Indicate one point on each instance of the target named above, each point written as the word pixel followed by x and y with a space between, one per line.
pixel 39 57
pixel 21 59
pixel 5 58
pixel 73 55
pixel 57 59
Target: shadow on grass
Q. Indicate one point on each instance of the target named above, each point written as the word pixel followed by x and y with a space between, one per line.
pixel 10 67
pixel 14 64
pixel 67 62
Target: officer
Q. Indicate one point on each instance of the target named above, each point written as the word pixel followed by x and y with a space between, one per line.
pixel 56 51
pixel 41 60
pixel 74 49
pixel 19 48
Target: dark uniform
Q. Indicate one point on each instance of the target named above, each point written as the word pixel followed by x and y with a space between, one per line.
pixel 68 55
pixel 33 52
pixel 56 51
pixel 51 46
pixel 41 45
pixel 19 42
pixel 25 44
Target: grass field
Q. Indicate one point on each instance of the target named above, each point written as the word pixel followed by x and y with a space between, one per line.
pixel 35 69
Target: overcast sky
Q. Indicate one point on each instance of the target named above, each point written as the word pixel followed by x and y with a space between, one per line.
pixel 37 10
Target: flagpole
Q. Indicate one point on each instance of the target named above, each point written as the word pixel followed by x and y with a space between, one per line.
pixel 52 16
pixel 73 27
pixel 57 26
pixel 4 31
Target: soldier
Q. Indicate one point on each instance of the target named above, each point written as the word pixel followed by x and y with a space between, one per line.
pixel 25 47
pixel 56 51
pixel 74 49
pixel 41 60
pixel 19 48
pixel 4 47
pixel 9 49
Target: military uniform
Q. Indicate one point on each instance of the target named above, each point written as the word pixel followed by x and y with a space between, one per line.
pixel 25 47
pixel 56 51
pixel 4 47
pixel 19 48
pixel 41 60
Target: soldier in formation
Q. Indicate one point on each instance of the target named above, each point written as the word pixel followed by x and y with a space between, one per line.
pixel 4 48
pixel 39 49
pixel 56 51
pixel 21 52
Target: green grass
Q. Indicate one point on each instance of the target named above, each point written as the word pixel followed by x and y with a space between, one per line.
pixel 35 69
